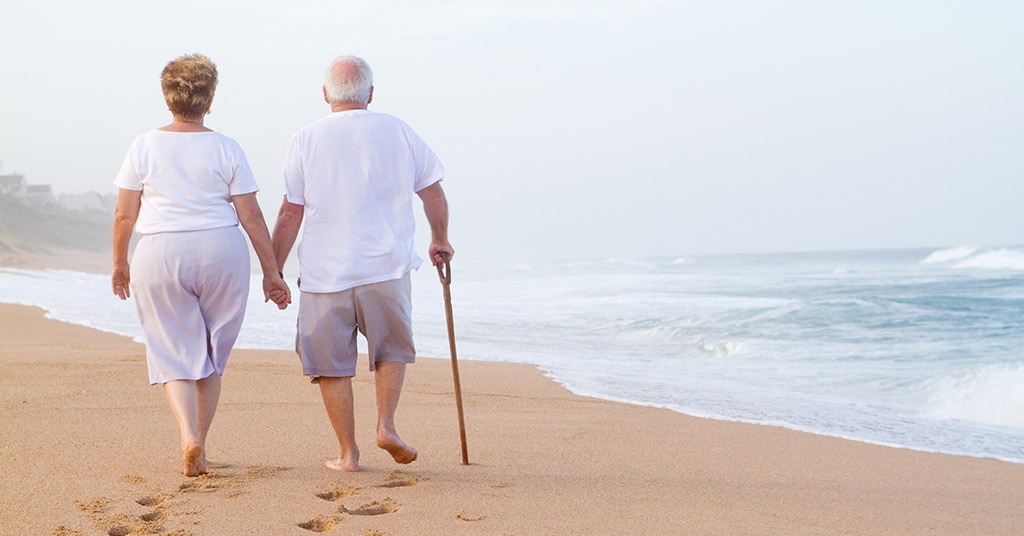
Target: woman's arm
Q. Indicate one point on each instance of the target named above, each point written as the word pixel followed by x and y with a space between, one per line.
pixel 125 215
pixel 251 218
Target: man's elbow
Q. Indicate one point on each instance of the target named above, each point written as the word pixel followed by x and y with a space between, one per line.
pixel 290 215
pixel 433 196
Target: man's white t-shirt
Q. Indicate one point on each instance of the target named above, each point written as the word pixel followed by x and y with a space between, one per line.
pixel 356 172
pixel 187 180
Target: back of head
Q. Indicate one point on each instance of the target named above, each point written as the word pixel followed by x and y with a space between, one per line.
pixel 348 81
pixel 188 83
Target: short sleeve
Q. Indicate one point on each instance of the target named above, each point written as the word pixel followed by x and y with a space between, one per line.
pixel 428 166
pixel 128 178
pixel 244 182
pixel 294 178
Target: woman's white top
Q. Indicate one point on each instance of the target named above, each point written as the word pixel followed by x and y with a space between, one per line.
pixel 187 180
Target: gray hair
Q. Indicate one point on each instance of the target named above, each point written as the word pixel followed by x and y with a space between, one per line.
pixel 349 84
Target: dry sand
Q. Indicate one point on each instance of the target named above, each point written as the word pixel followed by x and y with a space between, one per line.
pixel 88 447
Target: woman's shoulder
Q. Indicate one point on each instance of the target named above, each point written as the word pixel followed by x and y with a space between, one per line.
pixel 213 137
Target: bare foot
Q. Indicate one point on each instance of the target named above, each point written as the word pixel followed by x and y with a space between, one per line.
pixel 194 463
pixel 343 465
pixel 397 448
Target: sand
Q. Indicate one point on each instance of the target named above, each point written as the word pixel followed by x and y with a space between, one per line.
pixel 88 447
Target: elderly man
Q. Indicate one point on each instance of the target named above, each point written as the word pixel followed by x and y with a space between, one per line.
pixel 352 176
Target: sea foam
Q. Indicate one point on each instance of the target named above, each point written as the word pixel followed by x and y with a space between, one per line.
pixel 991 394
pixel 951 254
pixel 1000 259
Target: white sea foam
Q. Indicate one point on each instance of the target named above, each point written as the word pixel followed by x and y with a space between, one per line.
pixel 1000 259
pixel 723 349
pixel 951 254
pixel 991 394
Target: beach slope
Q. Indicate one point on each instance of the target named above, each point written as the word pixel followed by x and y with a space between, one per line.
pixel 88 447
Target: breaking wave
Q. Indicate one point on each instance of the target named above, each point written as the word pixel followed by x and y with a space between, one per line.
pixel 1000 259
pixel 951 254
pixel 992 394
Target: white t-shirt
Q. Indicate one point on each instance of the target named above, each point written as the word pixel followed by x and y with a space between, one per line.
pixel 355 172
pixel 187 180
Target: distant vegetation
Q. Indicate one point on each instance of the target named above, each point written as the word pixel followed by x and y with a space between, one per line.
pixel 29 227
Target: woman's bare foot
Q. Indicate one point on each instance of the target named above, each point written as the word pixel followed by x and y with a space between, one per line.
pixel 397 448
pixel 344 465
pixel 194 463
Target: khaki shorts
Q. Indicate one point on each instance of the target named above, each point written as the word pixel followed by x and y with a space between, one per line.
pixel 328 322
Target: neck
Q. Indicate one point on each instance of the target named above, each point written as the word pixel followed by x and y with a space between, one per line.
pixel 180 124
pixel 346 106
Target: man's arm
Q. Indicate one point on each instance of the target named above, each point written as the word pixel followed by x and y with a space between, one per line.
pixel 435 205
pixel 286 230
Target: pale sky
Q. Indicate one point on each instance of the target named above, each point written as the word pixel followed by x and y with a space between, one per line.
pixel 578 129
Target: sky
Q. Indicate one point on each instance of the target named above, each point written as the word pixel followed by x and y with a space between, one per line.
pixel 577 129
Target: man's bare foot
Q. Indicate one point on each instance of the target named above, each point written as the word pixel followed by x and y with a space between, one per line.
pixel 194 463
pixel 343 465
pixel 397 448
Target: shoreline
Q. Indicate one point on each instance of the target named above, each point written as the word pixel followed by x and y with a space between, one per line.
pixel 783 426
pixel 543 460
pixel 60 262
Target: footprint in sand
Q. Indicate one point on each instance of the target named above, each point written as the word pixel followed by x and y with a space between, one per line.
pixel 462 516
pixel 375 508
pixel 204 487
pixel 95 506
pixel 337 493
pixel 132 479
pixel 264 471
pixel 151 500
pixel 498 494
pixel 320 523
pixel 123 525
pixel 64 531
pixel 154 516
pixel 399 479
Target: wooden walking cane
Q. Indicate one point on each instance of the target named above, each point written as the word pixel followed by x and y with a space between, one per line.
pixel 445 274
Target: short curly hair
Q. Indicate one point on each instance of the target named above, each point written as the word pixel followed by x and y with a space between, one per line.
pixel 188 83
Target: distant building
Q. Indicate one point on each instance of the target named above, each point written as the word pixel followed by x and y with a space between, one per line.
pixel 39 193
pixel 13 185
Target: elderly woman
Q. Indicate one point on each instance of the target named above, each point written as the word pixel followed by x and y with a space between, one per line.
pixel 190 275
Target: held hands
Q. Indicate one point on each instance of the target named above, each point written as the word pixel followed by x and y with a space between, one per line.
pixel 119 281
pixel 276 290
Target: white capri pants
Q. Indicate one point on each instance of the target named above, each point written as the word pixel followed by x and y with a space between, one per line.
pixel 190 290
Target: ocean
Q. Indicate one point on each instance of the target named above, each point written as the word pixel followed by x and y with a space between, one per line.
pixel 918 349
